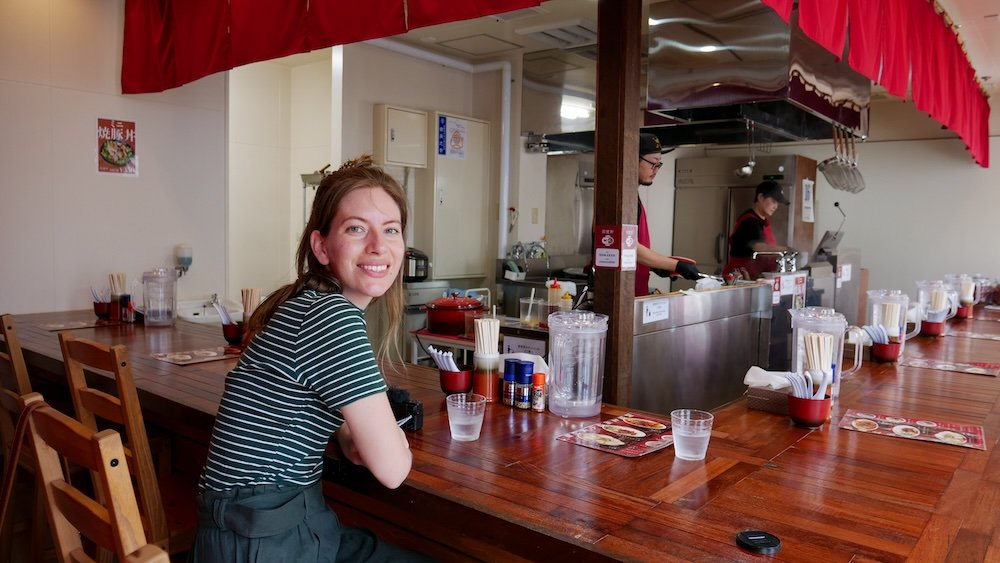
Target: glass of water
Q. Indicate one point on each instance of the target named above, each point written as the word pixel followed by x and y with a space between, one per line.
pixel 465 416
pixel 692 430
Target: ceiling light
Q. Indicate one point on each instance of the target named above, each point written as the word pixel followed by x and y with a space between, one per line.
pixel 708 49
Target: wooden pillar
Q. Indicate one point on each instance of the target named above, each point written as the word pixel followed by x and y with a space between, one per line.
pixel 616 162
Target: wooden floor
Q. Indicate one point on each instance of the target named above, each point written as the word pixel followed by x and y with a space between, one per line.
pixel 518 494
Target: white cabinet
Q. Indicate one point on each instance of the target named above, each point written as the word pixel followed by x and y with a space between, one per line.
pixel 452 204
pixel 400 136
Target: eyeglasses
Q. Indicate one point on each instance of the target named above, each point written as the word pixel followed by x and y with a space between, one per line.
pixel 655 165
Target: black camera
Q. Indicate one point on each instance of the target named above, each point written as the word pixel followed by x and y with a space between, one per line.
pixel 409 413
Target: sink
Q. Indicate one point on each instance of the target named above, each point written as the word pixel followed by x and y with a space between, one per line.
pixel 199 312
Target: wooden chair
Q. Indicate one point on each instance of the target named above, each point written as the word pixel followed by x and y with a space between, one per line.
pixel 14 385
pixel 171 526
pixel 111 522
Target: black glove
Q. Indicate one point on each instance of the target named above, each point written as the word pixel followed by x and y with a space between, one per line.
pixel 688 270
pixel 663 273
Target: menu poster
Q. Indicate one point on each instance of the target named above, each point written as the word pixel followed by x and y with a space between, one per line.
pixel 199 356
pixel 116 147
pixel 629 435
pixel 965 435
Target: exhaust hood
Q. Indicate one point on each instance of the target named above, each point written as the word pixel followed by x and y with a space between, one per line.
pixel 715 66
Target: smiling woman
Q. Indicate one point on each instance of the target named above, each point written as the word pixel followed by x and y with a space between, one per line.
pixel 309 372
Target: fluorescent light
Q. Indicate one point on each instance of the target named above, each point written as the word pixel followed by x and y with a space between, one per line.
pixel 708 49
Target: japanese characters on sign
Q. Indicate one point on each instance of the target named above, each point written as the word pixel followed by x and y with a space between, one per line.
pixel 116 147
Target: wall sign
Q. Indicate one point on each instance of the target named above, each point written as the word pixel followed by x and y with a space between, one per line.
pixel 452 134
pixel 616 247
pixel 808 213
pixel 116 153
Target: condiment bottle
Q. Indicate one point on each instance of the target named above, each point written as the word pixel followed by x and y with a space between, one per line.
pixel 566 302
pixel 555 295
pixel 538 392
pixel 522 391
pixel 511 368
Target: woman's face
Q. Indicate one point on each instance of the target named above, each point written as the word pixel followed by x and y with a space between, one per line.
pixel 767 204
pixel 364 248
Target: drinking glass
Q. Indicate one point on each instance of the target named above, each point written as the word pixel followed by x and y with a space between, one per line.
pixel 465 416
pixel 692 430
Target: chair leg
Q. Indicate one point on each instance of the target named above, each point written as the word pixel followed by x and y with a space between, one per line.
pixel 39 525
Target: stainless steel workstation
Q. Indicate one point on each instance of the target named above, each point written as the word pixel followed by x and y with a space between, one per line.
pixel 691 349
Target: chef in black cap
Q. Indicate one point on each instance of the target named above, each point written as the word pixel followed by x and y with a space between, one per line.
pixel 650 161
pixel 752 233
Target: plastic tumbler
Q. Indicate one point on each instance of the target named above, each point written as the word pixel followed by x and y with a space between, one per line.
pixel 465 416
pixel 692 430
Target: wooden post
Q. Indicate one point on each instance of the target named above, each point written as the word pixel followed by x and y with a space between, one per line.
pixel 616 176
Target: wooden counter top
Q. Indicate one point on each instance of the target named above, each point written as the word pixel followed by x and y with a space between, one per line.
pixel 517 493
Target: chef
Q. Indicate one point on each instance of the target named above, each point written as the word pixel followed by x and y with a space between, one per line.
pixel 650 162
pixel 752 233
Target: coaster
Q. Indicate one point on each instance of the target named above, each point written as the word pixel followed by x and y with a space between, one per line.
pixel 629 435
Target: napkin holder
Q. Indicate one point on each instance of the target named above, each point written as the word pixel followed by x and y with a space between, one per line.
pixel 769 400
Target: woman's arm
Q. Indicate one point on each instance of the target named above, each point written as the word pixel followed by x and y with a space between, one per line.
pixel 371 431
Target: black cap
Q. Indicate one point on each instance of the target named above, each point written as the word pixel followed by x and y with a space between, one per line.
pixel 650 144
pixel 773 190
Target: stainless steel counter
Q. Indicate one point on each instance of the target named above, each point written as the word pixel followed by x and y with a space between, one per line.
pixel 692 350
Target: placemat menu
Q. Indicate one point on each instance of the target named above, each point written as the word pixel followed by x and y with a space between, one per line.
pixel 970 334
pixel 629 435
pixel 951 433
pixel 198 356
pixel 73 325
pixel 978 368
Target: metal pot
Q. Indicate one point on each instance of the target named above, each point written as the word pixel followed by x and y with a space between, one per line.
pixel 446 315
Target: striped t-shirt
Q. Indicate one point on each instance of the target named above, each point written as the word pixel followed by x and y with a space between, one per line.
pixel 282 401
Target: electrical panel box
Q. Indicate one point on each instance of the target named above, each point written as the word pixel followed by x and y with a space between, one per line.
pixel 400 137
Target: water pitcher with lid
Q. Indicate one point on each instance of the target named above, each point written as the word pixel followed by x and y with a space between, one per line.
pixel 891 310
pixel 159 296
pixel 576 362
pixel 818 346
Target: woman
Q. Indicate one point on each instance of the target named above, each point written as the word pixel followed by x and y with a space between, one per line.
pixel 309 372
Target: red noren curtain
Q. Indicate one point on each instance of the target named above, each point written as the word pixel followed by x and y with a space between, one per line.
pixel 168 43
pixel 902 44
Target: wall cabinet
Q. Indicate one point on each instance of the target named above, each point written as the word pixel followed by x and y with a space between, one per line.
pixel 400 136
pixel 452 199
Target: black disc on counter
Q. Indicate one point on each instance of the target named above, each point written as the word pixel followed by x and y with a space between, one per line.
pixel 758 541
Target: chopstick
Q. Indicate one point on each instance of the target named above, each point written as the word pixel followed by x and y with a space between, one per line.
pixel 251 300
pixel 117 282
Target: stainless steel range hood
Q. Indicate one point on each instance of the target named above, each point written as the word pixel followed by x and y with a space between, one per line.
pixel 716 65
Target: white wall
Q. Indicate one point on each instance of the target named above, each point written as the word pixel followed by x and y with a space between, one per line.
pixel 65 227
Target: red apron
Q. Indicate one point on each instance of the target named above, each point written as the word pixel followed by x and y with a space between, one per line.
pixel 754 266
pixel 642 272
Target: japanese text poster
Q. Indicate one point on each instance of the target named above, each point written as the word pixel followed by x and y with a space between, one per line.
pixel 116 147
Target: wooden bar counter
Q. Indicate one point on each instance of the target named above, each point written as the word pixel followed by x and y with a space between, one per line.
pixel 519 494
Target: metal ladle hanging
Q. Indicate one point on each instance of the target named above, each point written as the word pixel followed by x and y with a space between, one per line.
pixel 747 169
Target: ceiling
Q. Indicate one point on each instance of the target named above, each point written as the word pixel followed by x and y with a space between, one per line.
pixel 557 38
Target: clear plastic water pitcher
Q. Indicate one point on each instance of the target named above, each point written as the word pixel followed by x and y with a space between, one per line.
pixel 891 309
pixel 969 293
pixel 818 334
pixel 576 362
pixel 159 296
pixel 938 303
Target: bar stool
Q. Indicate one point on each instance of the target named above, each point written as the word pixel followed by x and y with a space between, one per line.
pixel 171 526
pixel 112 519
pixel 14 385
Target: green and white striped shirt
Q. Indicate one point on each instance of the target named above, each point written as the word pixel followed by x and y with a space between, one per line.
pixel 282 401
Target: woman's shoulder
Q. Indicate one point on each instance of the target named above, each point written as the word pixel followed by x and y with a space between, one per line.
pixel 319 305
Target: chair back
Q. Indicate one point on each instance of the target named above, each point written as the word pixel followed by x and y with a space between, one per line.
pixel 14 381
pixel 123 411
pixel 111 522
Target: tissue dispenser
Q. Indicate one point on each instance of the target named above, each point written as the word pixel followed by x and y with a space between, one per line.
pixel 769 400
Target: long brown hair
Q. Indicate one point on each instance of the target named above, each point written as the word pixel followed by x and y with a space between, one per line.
pixel 311 274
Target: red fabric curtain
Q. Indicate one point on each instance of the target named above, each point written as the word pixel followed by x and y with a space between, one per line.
pixel 864 26
pixel 924 57
pixel 825 22
pixel 782 7
pixel 172 42
pixel 896 46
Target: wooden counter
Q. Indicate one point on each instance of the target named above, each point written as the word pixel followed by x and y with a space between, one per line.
pixel 517 493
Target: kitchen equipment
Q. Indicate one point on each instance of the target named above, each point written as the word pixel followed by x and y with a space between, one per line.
pixel 415 265
pixel 159 296
pixel 969 293
pixel 576 362
pixel 818 346
pixel 938 303
pixel 891 309
pixel 446 315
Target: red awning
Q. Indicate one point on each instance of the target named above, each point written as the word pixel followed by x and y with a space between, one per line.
pixel 168 43
pixel 906 46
